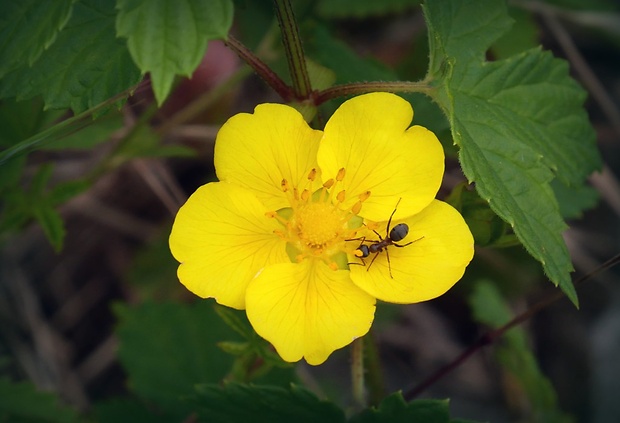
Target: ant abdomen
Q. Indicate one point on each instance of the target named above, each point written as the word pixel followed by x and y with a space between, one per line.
pixel 399 232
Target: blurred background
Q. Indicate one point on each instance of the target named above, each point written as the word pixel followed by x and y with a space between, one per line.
pixel 56 306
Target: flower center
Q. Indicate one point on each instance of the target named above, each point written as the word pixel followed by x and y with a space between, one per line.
pixel 317 225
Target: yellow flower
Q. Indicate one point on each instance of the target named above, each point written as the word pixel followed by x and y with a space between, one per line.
pixel 283 234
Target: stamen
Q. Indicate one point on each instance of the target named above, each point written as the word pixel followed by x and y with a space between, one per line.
pixel 364 196
pixel 275 215
pixel 329 183
pixel 312 174
pixel 341 174
pixel 340 196
pixel 284 185
pixel 357 207
pixel 305 195
pixel 332 265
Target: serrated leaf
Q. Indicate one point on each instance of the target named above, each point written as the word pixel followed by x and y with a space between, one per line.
pixel 168 348
pixel 518 122
pixel 85 66
pixel 394 409
pixel 362 8
pixel 169 37
pixel 268 404
pixel 27 28
pixel 21 402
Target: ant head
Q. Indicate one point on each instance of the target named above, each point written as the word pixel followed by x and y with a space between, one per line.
pixel 399 232
pixel 362 251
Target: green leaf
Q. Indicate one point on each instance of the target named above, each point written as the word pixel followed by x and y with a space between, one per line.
pixel 168 348
pixel 27 28
pixel 237 403
pixel 52 224
pixel 64 191
pixel 574 200
pixel 169 37
pixel 518 122
pixel 95 133
pixel 515 356
pixel 85 66
pixel 11 172
pixel 521 37
pixel 340 58
pixel 394 409
pixel 362 8
pixel 21 402
pixel 22 119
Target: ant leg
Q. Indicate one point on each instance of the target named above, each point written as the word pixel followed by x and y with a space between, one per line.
pixel 363 263
pixel 372 261
pixel 409 243
pixel 387 253
pixel 387 229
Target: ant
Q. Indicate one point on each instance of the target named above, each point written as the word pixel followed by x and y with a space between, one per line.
pixel 392 236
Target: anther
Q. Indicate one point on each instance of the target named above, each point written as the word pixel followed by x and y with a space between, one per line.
pixel 364 196
pixel 341 174
pixel 284 185
pixel 340 196
pixel 329 183
pixel 270 214
pixel 312 174
pixel 357 207
pixel 305 194
pixel 333 266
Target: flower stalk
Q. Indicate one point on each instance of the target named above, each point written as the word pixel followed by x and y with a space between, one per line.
pixel 357 373
pixel 293 49
pixel 358 88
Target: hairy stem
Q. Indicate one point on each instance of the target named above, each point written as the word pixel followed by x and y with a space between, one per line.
pixel 369 87
pixel 357 373
pixel 293 49
pixel 261 68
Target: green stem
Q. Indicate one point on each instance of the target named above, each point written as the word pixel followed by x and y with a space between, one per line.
pixel 293 49
pixel 357 373
pixel 264 71
pixel 493 335
pixel 369 87
pixel 376 386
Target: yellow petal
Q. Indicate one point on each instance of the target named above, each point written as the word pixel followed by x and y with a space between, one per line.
pixel 442 247
pixel 222 238
pixel 308 310
pixel 259 150
pixel 368 136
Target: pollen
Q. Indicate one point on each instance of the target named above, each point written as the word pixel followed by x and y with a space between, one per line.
pixel 317 223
